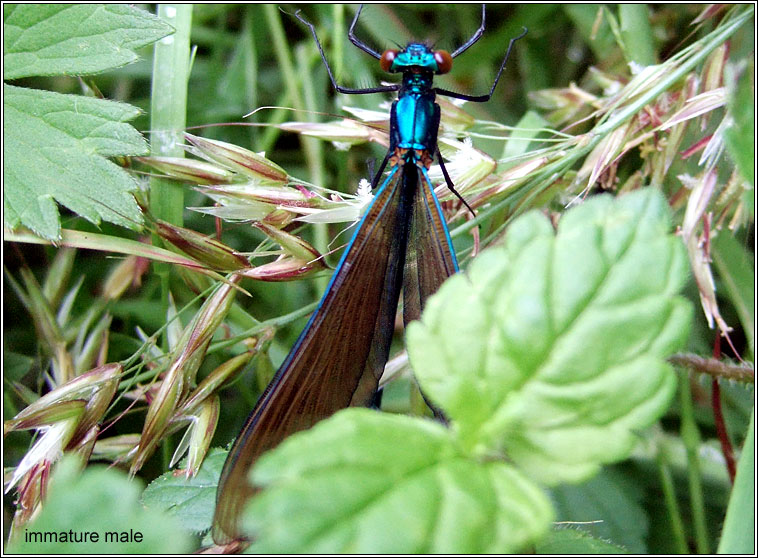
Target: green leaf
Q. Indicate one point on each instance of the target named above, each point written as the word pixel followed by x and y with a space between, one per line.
pixel 574 541
pixel 737 274
pixel 552 347
pixel 60 39
pixel 738 535
pixel 100 501
pixel 191 500
pixel 15 366
pixel 634 23
pixel 528 128
pixel 369 482
pixel 55 148
pixel 608 507
pixel 740 136
pixel 584 17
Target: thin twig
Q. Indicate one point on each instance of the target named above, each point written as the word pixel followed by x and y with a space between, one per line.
pixel 717 368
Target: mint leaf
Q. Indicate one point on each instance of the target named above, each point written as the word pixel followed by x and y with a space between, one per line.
pixel 608 507
pixel 370 482
pixel 55 39
pixel 190 500
pixel 54 150
pixel 552 347
pixel 100 501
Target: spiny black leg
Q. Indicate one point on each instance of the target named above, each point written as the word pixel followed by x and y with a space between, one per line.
pixel 449 183
pixel 475 37
pixel 370 166
pixel 356 41
pixel 482 98
pixel 339 88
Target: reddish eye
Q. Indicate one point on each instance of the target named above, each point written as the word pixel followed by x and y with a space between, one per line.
pixel 388 57
pixel 444 61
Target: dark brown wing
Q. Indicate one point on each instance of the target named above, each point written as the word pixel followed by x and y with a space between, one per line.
pixel 339 357
pixel 430 258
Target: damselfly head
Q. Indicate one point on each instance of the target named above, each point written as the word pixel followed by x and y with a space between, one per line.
pixel 416 56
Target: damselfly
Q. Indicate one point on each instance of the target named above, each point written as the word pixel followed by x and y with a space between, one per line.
pixel 401 241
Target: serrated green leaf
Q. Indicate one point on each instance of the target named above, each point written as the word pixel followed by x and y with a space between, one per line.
pixel 369 482
pixel 608 507
pixel 74 39
pixel 190 500
pixel 54 150
pixel 565 541
pixel 552 347
pixel 101 501
pixel 740 136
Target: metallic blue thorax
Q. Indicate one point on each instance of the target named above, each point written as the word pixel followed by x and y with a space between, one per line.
pixel 415 116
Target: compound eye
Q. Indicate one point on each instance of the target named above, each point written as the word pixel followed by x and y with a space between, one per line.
pixel 444 61
pixel 388 57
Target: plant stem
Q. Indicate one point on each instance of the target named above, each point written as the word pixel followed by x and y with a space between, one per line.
pixel 714 367
pixel 718 416
pixel 669 496
pixel 168 119
pixel 691 439
pixel 338 34
pixel 250 55
pixel 168 108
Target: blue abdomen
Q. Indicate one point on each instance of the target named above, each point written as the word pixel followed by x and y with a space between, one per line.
pixel 415 118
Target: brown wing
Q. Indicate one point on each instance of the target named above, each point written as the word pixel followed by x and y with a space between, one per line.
pixel 430 258
pixel 339 357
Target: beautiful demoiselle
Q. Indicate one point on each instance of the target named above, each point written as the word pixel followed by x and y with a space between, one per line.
pixel 402 240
